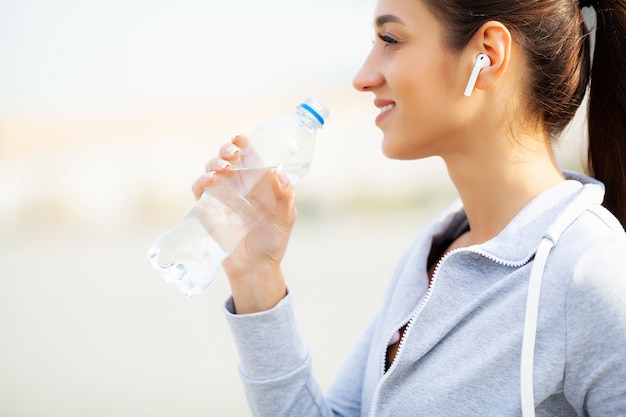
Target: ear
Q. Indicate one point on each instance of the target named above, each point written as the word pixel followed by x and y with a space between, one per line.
pixel 494 40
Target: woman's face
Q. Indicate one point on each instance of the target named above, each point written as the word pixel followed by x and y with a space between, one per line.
pixel 415 80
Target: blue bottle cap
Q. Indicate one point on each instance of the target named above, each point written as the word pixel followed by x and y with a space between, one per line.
pixel 313 112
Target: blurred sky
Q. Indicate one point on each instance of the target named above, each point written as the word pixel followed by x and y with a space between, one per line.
pixel 85 56
pixel 72 68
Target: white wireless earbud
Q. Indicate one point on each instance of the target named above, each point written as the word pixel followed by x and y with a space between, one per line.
pixel 482 61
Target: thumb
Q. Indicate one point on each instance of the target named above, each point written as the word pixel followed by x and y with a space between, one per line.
pixel 284 192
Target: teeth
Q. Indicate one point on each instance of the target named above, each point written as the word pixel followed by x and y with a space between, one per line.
pixel 387 107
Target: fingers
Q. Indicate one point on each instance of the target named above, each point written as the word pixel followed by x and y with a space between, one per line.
pixel 230 152
pixel 218 165
pixel 203 182
pixel 228 155
pixel 240 140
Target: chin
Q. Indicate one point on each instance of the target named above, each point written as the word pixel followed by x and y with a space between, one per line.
pixel 410 147
pixel 387 150
pixel 402 154
pixel 393 152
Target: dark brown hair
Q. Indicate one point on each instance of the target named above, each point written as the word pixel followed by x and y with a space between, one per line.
pixel 556 42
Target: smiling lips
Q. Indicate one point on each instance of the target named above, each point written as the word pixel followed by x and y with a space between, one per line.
pixel 387 107
pixel 383 108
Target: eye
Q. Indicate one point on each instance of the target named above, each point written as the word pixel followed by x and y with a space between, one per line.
pixel 387 39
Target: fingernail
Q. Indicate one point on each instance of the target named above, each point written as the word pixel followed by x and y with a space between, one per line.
pixel 208 175
pixel 232 149
pixel 223 164
pixel 282 175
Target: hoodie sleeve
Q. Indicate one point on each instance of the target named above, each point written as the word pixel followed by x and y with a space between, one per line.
pixel 275 365
pixel 595 373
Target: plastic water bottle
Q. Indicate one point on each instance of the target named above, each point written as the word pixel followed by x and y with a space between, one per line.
pixel 190 254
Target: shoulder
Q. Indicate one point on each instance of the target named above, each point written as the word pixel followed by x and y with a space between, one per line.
pixel 597 243
pixel 596 261
pixel 599 274
pixel 602 243
pixel 591 235
pixel 596 322
pixel 589 263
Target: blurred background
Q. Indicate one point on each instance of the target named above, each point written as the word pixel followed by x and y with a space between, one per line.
pixel 108 113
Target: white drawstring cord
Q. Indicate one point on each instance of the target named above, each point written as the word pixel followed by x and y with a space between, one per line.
pixel 562 222
pixel 530 327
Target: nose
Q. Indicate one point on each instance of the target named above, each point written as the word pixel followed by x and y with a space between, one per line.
pixel 368 77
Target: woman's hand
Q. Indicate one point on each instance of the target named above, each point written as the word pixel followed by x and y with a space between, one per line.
pixel 253 268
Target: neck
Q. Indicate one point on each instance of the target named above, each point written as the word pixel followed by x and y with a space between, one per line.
pixel 497 182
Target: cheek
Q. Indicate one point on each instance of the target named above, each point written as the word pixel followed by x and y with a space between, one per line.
pixel 423 131
pixel 426 113
pixel 405 139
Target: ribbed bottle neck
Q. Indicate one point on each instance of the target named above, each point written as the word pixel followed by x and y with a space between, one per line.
pixel 307 119
pixel 313 112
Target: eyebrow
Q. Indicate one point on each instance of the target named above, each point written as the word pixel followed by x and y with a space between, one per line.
pixel 387 18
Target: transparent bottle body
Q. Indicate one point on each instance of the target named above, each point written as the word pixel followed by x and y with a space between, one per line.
pixel 190 254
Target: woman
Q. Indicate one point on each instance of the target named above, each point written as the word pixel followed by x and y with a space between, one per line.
pixel 514 300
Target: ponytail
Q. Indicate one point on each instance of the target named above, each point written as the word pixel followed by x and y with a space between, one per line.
pixel 607 105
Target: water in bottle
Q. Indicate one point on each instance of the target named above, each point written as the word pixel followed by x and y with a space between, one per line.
pixel 190 254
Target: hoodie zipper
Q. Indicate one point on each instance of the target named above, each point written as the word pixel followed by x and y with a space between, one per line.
pixel 400 346
pixel 421 306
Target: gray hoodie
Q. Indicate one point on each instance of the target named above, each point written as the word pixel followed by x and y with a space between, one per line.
pixel 462 354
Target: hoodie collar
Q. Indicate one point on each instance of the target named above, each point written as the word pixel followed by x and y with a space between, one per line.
pixel 518 241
